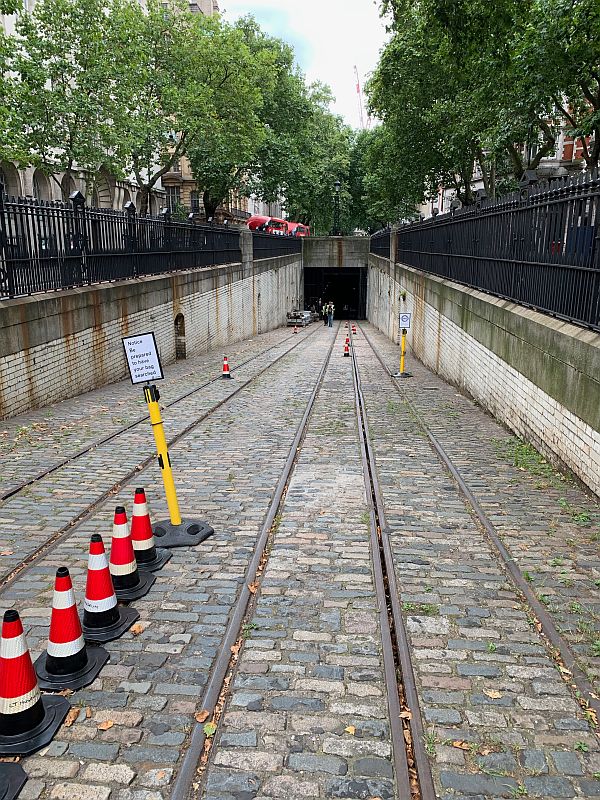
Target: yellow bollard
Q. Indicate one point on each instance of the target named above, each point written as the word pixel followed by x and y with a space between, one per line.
pixel 402 373
pixel 152 396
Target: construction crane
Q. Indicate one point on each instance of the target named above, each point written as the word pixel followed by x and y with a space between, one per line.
pixel 364 125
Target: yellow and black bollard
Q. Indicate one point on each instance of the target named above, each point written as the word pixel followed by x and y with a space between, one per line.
pixel 175 532
pixel 402 373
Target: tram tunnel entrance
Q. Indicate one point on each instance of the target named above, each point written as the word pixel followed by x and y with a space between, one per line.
pixel 345 287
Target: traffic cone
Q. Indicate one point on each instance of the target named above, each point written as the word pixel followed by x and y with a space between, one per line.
pixel 347 340
pixel 103 619
pixel 354 330
pixel 12 780
pixel 226 373
pixel 147 555
pixel 295 329
pixel 346 351
pixel 28 721
pixel 67 662
pixel 129 582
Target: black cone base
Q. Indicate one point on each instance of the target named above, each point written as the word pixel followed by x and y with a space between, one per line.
pixel 96 659
pixel 227 377
pixel 402 375
pixel 127 616
pixel 12 780
pixel 139 590
pixel 158 562
pixel 23 744
pixel 188 534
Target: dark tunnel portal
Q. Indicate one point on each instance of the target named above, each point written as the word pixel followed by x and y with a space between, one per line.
pixel 346 288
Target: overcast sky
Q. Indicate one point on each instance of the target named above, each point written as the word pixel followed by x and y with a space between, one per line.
pixel 329 38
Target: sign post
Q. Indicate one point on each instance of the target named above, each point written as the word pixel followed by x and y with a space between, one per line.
pixel 143 361
pixel 404 324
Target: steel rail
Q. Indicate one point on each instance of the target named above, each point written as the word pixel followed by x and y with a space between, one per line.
pixel 219 671
pixel 89 510
pixel 98 442
pixel 549 629
pixel 396 648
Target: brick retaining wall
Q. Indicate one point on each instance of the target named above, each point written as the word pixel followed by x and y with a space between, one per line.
pixel 55 346
pixel 538 375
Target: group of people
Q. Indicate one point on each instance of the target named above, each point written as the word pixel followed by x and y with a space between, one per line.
pixel 327 311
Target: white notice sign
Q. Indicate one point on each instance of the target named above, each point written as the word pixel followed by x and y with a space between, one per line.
pixel 142 357
pixel 404 320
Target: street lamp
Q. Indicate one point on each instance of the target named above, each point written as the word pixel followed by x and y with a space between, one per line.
pixel 336 209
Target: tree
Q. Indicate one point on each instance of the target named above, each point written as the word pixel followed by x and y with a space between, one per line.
pixel 64 111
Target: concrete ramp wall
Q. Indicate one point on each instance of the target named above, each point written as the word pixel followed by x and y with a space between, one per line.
pixel 538 375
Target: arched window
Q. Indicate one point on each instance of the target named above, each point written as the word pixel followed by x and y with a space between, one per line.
pixel 41 185
pixel 10 178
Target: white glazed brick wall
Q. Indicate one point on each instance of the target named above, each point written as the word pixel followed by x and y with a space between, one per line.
pixel 65 367
pixel 512 398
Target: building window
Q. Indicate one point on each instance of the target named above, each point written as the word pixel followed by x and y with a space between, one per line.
pixel 176 166
pixel 173 197
pixel 195 202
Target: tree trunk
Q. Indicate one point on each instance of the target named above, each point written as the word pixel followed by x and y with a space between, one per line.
pixel 144 196
pixel 210 205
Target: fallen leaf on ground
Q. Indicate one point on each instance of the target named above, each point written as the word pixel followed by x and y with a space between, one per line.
pixel 253 587
pixel 350 729
pixel 405 715
pixel 460 745
pixel 88 712
pixel 493 694
pixel 137 629
pixel 161 774
pixel 65 693
pixel 105 726
pixel 202 716
pixel 71 717
pixel 209 729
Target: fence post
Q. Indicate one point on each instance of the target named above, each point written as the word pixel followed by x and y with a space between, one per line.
pixel 77 258
pixel 166 216
pixel 7 278
pixel 131 235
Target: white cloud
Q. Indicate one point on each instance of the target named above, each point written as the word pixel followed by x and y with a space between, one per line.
pixel 329 38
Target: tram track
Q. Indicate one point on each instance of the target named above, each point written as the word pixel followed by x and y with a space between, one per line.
pixel 412 768
pixel 88 511
pixel 558 647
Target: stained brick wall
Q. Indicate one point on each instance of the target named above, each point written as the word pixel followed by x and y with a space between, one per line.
pixel 57 346
pixel 538 375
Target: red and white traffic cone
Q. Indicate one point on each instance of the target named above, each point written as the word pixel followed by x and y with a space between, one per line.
pixel 348 340
pixel 67 663
pixel 103 619
pixel 295 329
pixel 354 330
pixel 346 351
pixel 226 373
pixel 12 780
pixel 28 721
pixel 147 555
pixel 129 582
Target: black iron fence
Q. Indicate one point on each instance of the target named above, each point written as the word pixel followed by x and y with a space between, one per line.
pixel 266 245
pixel 380 243
pixel 47 246
pixel 539 247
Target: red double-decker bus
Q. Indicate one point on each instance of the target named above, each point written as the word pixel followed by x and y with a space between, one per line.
pixel 268 225
pixel 297 229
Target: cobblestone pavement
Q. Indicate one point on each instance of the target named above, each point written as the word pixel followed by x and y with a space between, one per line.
pixel 30 518
pixel 307 714
pixel 550 526
pixel 151 687
pixel 500 720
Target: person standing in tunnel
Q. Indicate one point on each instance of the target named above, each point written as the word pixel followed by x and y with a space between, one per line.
pixel 330 311
pixel 324 312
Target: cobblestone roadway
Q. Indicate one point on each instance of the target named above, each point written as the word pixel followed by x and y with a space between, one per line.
pixel 152 685
pixel 486 682
pixel 308 716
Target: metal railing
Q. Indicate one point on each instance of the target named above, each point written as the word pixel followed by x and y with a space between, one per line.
pixel 50 245
pixel 268 245
pixel 380 243
pixel 539 247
